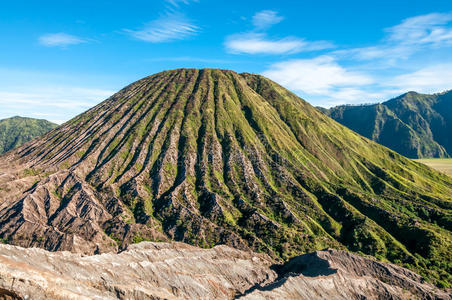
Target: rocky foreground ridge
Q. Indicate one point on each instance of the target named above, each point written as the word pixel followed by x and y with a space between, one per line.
pixel 179 271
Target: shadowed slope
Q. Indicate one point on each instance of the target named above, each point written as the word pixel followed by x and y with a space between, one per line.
pixel 210 157
pixel 414 125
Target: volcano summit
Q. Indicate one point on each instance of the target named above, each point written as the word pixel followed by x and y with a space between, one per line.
pixel 213 157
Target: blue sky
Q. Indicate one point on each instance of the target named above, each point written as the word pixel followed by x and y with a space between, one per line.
pixel 59 58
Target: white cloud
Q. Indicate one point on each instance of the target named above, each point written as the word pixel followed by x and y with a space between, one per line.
pixel 426 80
pixel 253 43
pixel 321 75
pixel 59 40
pixel 265 19
pixel 168 28
pixel 57 102
pixel 405 39
pixel 323 81
pixel 414 55
pixel 66 97
pixel 350 94
pixel 357 95
pixel 389 53
pixel 258 43
pixel 426 29
pixel 176 3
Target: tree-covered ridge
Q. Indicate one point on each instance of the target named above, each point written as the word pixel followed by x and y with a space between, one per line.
pixel 415 125
pixel 214 157
pixel 16 131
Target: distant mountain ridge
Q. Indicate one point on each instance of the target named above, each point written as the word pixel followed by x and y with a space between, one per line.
pixel 415 125
pixel 16 131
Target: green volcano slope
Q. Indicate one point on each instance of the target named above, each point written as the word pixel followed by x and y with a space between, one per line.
pixel 16 131
pixel 210 157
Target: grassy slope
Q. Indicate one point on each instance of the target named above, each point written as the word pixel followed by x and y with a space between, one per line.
pixel 219 157
pixel 363 163
pixel 16 131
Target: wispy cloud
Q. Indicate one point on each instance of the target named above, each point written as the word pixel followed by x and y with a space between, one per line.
pixel 60 40
pixel 257 41
pixel 389 53
pixel 321 75
pixel 433 29
pixel 175 3
pixel 168 28
pixel 171 26
pixel 357 95
pixel 254 43
pixel 265 19
pixel 405 39
pixel 60 103
pixel 413 55
pixel 324 81
pixel 429 79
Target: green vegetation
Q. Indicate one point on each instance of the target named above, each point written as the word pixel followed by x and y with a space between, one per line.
pixel 415 125
pixel 64 165
pixel 138 239
pixel 57 194
pixel 286 179
pixel 31 172
pixel 215 157
pixel 115 238
pixel 16 131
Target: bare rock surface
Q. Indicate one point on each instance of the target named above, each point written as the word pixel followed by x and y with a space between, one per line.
pixel 180 271
pixel 332 274
pixel 145 271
